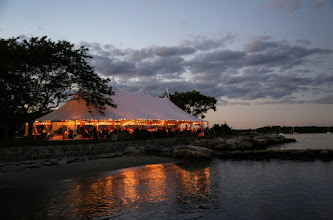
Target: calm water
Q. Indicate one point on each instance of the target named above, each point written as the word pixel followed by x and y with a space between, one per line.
pixel 229 189
pixel 311 141
pixel 213 190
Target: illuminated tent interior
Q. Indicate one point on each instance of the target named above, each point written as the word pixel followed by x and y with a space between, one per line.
pixel 134 110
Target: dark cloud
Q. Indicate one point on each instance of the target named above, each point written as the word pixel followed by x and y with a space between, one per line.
pixel 279 54
pixel 161 65
pixel 327 99
pixel 216 61
pixel 303 42
pixel 265 71
pixel 137 55
pixel 173 51
pixel 110 67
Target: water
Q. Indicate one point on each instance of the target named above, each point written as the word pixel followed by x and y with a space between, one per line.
pixel 311 141
pixel 212 190
pixel 229 189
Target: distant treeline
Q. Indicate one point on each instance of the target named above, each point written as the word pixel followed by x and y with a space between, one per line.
pixel 288 130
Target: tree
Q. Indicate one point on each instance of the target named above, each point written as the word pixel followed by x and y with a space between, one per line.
pixel 193 102
pixel 222 129
pixel 38 74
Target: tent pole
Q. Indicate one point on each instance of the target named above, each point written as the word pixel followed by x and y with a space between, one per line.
pixel 51 131
pixel 97 129
pixel 207 127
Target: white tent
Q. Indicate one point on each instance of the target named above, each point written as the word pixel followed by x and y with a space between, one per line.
pixel 133 109
pixel 130 106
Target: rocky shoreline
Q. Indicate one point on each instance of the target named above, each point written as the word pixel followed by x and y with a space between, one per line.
pixel 254 147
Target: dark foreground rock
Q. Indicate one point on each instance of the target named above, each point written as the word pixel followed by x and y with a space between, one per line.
pixel 249 142
pixel 159 147
pixel 192 152
pixel 240 148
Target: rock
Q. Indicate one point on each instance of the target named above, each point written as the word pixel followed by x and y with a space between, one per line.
pixel 47 163
pixel 189 154
pixel 192 152
pixel 131 150
pixel 159 150
pixel 204 142
pixel 204 206
pixel 232 143
pixel 260 141
pixel 196 142
pixel 194 148
pixel 219 140
pixel 323 152
pixel 245 145
pixel 220 147
pixel 33 166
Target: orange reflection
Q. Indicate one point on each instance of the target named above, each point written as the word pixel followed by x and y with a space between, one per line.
pixel 111 195
pixel 156 183
pixel 130 183
pixel 196 181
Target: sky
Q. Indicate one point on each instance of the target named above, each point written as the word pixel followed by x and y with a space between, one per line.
pixel 267 62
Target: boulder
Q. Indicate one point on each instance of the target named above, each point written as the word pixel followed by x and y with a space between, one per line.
pixel 245 145
pixel 219 140
pixel 131 150
pixel 220 147
pixel 192 152
pixel 232 143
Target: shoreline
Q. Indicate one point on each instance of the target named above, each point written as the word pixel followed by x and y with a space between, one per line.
pixel 42 164
pixel 38 172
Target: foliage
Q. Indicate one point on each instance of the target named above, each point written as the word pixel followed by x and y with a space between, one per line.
pixel 222 129
pixel 298 129
pixel 193 102
pixel 38 74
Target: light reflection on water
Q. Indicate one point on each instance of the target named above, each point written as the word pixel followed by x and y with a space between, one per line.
pixel 129 189
pixel 220 189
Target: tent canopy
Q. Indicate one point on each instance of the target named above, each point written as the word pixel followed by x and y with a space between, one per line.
pixel 130 106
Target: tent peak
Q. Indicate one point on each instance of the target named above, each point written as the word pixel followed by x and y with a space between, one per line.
pixel 142 89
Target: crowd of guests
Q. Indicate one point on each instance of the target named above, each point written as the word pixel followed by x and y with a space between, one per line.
pixel 107 132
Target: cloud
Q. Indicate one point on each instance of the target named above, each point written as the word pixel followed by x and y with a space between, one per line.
pixel 173 51
pixel 264 71
pixel 204 43
pixel 291 6
pixel 327 99
pixel 112 66
pixel 216 61
pixel 303 42
pixel 287 5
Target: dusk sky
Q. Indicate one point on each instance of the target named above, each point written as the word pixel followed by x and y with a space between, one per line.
pixel 266 62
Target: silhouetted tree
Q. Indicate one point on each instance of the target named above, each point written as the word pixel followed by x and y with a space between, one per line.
pixel 193 102
pixel 222 129
pixel 37 74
